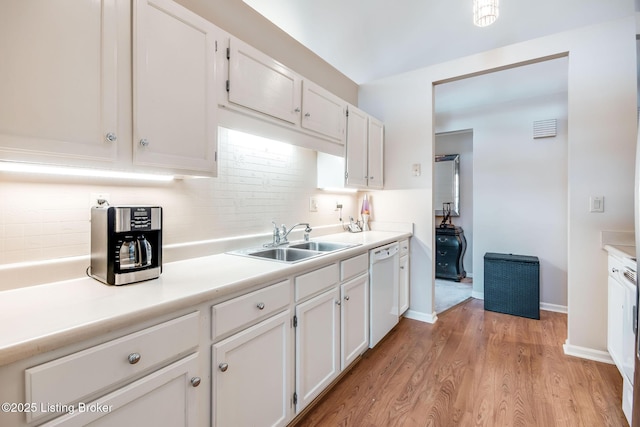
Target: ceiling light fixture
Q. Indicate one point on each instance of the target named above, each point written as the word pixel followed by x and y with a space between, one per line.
pixel 485 12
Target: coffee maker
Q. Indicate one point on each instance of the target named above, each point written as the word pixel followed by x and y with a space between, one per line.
pixel 126 243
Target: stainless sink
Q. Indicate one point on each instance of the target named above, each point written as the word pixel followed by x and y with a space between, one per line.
pixel 295 252
pixel 284 254
pixel 321 246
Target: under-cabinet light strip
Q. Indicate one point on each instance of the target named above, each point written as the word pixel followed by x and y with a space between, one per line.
pixel 18 167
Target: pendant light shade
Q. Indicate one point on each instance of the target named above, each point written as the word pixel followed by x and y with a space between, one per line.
pixel 485 12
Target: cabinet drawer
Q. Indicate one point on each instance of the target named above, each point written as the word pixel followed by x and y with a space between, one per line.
pixel 248 309
pixel 404 247
pixel 353 267
pixel 446 254
pixel 73 377
pixel 444 240
pixel 316 281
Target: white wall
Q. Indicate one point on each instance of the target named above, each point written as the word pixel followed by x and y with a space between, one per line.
pixel 520 187
pixel 601 150
pixel 45 219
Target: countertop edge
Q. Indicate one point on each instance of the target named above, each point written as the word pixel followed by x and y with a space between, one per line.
pixel 621 251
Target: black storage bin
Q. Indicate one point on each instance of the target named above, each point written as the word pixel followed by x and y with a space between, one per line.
pixel 512 284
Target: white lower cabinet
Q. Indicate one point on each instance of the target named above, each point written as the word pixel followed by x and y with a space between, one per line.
pixel 317 345
pixel 166 397
pixel 403 289
pixel 135 379
pixel 251 375
pixel 354 322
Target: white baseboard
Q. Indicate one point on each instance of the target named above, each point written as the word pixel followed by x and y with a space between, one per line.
pixel 477 295
pixel 423 317
pixel 587 353
pixel 553 307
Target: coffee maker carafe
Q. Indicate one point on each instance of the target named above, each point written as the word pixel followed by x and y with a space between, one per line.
pixel 126 243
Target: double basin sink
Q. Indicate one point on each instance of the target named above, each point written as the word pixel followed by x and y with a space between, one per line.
pixel 294 252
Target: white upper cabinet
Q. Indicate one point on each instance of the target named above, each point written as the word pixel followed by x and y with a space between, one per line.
pixel 262 84
pixel 262 88
pixel 323 112
pixel 364 151
pixel 174 99
pixel 375 164
pixel 58 80
pixel 356 151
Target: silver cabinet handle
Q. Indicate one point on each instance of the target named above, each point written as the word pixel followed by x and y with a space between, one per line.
pixel 370 177
pixel 111 137
pixel 614 270
pixel 307 114
pixel 338 302
pixel 297 110
pixel 134 358
pixel 346 297
pixel 402 267
pixel 223 367
pixel 260 306
pixel 144 142
pixel 195 381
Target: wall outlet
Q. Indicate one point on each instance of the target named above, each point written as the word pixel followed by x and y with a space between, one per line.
pixel 313 204
pixel 99 199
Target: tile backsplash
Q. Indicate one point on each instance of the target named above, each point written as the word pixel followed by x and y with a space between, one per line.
pixel 258 181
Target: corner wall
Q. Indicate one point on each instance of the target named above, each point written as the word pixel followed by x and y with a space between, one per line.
pixel 601 151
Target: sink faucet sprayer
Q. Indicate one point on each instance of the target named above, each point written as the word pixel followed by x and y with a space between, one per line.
pixel 280 235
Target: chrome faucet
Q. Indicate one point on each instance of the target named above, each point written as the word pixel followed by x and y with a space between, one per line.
pixel 280 234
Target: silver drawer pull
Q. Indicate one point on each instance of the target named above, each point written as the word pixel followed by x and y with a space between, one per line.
pixel 223 367
pixel 338 302
pixel 260 306
pixel 195 381
pixel 346 297
pixel 111 137
pixel 134 358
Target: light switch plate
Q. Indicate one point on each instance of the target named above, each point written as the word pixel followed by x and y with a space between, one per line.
pixel 596 204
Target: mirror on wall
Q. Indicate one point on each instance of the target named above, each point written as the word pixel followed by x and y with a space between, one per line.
pixel 446 186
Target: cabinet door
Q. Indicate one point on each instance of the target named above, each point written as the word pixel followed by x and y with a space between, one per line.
pixel 356 152
pixel 403 291
pixel 59 79
pixel 375 154
pixel 323 112
pixel 251 375
pixel 615 318
pixel 166 397
pixel 317 345
pixel 175 105
pixel 262 84
pixel 354 331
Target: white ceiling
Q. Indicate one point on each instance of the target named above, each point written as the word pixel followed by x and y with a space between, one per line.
pixel 370 39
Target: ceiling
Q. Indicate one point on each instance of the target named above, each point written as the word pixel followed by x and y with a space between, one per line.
pixel 371 39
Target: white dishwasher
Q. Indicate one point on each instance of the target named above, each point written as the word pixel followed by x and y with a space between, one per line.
pixel 384 275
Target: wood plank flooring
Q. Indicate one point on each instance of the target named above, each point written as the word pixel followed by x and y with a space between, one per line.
pixel 474 368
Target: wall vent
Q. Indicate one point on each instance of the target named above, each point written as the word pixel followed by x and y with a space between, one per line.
pixel 545 128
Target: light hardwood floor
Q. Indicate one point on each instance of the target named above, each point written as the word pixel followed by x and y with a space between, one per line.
pixel 474 368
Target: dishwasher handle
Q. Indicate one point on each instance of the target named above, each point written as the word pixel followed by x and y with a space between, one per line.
pixel 384 252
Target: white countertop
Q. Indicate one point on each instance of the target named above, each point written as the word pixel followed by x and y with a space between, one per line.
pixel 42 318
pixel 622 251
